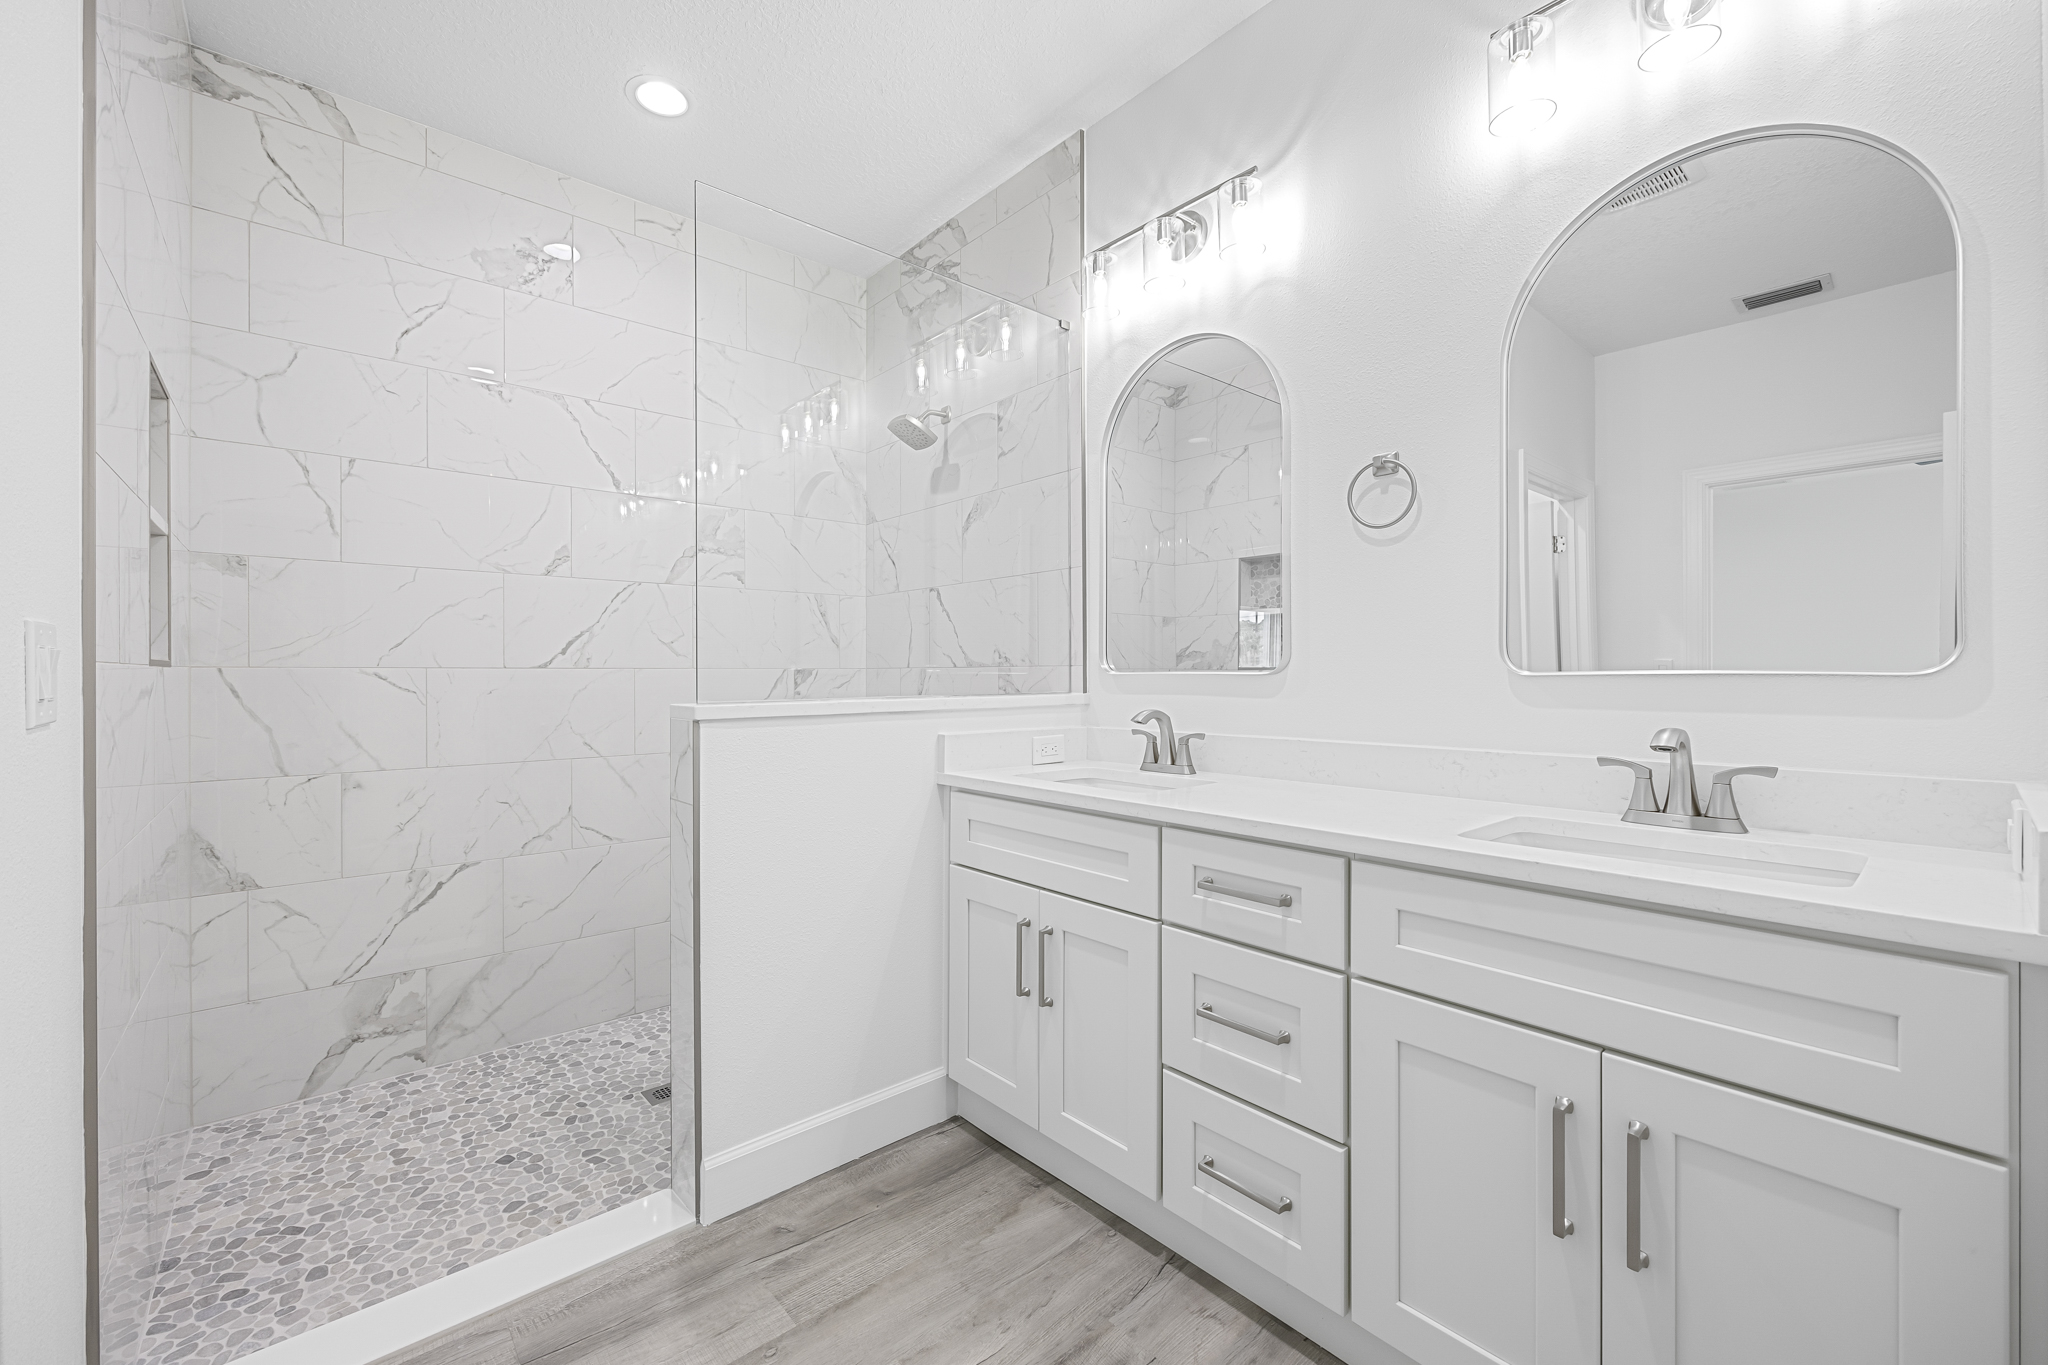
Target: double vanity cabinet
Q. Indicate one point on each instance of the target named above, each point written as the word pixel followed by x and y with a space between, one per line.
pixel 1489 1122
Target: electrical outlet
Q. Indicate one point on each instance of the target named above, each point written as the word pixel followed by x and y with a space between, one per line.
pixel 1049 749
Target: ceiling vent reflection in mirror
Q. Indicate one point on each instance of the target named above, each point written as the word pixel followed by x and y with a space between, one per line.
pixel 1650 187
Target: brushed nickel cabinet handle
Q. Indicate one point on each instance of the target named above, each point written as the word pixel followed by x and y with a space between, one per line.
pixel 1044 995
pixel 1637 1258
pixel 1280 1205
pixel 1283 901
pixel 1022 925
pixel 1560 1226
pixel 1208 1011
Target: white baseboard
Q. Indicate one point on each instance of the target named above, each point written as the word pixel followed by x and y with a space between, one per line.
pixel 370 1334
pixel 1332 1331
pixel 740 1177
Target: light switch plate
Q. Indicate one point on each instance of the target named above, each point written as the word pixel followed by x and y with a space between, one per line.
pixel 38 674
pixel 1049 749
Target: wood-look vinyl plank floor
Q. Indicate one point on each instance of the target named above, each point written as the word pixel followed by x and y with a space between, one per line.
pixel 943 1249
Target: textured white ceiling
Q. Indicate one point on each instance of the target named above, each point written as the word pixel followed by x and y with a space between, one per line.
pixel 1757 216
pixel 875 120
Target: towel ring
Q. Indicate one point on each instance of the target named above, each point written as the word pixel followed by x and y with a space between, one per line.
pixel 1381 467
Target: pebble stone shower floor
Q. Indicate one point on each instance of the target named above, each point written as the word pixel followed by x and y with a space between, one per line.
pixel 285 1219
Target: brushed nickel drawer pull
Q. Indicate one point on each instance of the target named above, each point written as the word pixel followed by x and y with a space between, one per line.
pixel 1280 1205
pixel 1283 901
pixel 1560 1226
pixel 1208 1011
pixel 1636 1257
pixel 1022 989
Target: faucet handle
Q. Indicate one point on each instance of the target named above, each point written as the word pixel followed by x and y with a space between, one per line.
pixel 1644 795
pixel 1721 801
pixel 1151 745
pixel 1184 756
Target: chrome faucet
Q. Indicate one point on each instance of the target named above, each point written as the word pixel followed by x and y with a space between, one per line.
pixel 1161 753
pixel 1680 808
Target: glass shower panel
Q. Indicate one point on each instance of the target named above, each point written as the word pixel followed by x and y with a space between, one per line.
pixel 887 473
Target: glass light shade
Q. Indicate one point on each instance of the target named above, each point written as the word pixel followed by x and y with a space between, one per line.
pixel 1674 32
pixel 1521 77
pixel 1163 272
pixel 1101 292
pixel 1245 215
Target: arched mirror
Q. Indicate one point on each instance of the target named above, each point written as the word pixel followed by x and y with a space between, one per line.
pixel 1197 516
pixel 1731 429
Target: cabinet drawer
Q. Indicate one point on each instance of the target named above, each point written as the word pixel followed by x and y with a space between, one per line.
pixel 1110 862
pixel 1223 1007
pixel 1914 1044
pixel 1279 899
pixel 1269 1191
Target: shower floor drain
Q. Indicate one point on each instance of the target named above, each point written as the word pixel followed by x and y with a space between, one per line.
pixel 659 1094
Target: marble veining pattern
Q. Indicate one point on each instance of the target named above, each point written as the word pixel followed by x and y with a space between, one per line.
pixel 281 1220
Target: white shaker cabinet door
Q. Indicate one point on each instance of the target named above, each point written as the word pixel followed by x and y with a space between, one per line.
pixel 992 991
pixel 1475 1186
pixel 1746 1230
pixel 1099 1041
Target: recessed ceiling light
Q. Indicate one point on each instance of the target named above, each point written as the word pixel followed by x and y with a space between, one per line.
pixel 561 251
pixel 658 96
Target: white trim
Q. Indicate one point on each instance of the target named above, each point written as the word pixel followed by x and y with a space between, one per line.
pixel 370 1334
pixel 741 1176
pixel 1696 514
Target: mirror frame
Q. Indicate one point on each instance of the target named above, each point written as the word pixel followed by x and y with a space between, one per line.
pixel 1952 516
pixel 1286 513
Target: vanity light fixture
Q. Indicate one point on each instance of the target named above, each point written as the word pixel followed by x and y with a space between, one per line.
pixel 1674 32
pixel 1521 75
pixel 1169 242
pixel 560 251
pixel 658 96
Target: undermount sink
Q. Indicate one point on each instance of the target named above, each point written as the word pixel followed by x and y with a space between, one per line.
pixel 1735 853
pixel 1138 782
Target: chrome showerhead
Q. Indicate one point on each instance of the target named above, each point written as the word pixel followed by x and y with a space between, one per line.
pixel 914 432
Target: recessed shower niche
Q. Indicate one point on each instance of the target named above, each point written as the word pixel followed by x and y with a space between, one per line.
pixel 1196 516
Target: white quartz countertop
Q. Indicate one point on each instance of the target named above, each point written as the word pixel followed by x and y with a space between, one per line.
pixel 1910 895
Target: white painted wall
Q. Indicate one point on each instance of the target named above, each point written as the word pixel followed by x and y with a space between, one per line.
pixel 1403 235
pixel 1870 367
pixel 42 800
pixel 821 874
pixel 1550 403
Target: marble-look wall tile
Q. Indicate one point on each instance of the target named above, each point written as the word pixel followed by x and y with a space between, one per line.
pixel 266 171
pixel 651 967
pixel 435 518
pixel 664 455
pixel 265 832
pixel 739 388
pixel 304 612
pixel 586 623
pixel 220 950
pixel 410 213
pixel 143 851
pixel 382 131
pixel 272 1051
pixel 586 892
pixel 647 540
pixel 508 174
pixel 591 355
pixel 809 329
pixel 428 816
pixel 213 611
pixel 220 270
pixel 655 690
pixel 141 733
pixel 145 1081
pixel 529 993
pixel 517 715
pixel 666 226
pixel 802 554
pixel 320 934
pixel 721 302
pixel 334 296
pixel 142 963
pixel 624 274
pixel 265 391
pixel 284 722
pixel 479 427
pixel 620 799
pixel 1015 530
pixel 257 500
